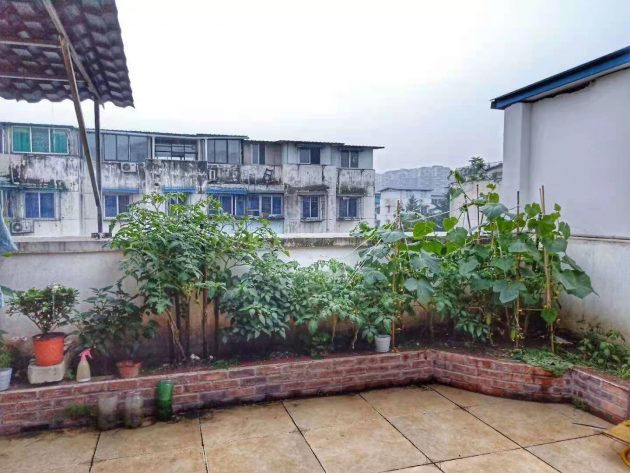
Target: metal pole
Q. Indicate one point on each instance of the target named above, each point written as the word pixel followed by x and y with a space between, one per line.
pixel 82 132
pixel 97 149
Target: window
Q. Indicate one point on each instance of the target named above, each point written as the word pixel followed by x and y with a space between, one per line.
pixel 310 207
pixel 309 155
pixel 40 140
pixel 224 151
pixel 349 207
pixel 350 159
pixel 138 148
pixel 39 205
pixel 116 204
pixel 225 201
pixel 8 203
pixel 258 153
pixel 178 199
pixel 239 205
pixel 176 148
pixel 121 147
pixel 264 205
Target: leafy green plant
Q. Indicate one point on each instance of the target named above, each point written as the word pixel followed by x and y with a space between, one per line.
pixel 319 344
pixel 322 292
pixel 185 255
pixel 605 350
pixel 113 324
pixel 77 411
pixel 258 303
pixel 543 359
pixel 47 308
pixel 5 358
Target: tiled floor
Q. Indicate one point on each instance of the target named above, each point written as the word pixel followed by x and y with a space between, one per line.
pixel 427 429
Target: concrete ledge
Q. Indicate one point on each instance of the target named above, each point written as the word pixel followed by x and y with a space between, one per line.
pixel 43 407
pixel 84 244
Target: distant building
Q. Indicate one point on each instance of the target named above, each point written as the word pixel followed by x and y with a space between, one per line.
pixel 435 178
pixel 389 197
pixel 299 186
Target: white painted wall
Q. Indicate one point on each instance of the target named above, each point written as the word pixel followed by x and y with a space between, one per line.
pixel 578 146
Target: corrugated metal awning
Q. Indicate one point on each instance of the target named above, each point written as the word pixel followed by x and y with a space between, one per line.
pixel 32 65
pixel 122 190
pixel 178 190
pixel 227 190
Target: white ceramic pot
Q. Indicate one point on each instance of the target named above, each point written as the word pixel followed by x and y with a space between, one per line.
pixel 5 378
pixel 382 343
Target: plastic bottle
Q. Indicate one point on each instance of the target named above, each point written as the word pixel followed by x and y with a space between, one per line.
pixel 83 370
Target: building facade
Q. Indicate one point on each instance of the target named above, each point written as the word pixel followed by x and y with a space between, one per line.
pixel 299 186
pixel 570 134
pixel 389 197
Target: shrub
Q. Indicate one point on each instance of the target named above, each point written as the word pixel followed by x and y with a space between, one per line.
pixel 605 350
pixel 113 324
pixel 258 303
pixel 47 308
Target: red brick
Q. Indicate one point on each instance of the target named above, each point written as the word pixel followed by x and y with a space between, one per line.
pixel 213 375
pixel 241 372
pixel 123 384
pixel 17 396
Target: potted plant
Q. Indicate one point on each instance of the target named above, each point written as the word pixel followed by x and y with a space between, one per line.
pixel 48 309
pixel 114 326
pixel 6 369
pixel 377 307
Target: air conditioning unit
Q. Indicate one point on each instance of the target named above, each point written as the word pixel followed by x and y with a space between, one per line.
pixel 129 167
pixel 20 227
pixel 212 174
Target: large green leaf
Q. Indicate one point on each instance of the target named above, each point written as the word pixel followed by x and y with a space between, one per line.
pixel 426 260
pixel 508 291
pixel 457 236
pixel 432 246
pixel 505 263
pixel 422 287
pixel 549 315
pixel 392 236
pixel 422 229
pixel 557 245
pixel 493 210
pixel 468 266
pixel 449 223
pixel 519 246
pixel 481 284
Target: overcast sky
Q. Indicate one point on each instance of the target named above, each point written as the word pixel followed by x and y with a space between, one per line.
pixel 413 76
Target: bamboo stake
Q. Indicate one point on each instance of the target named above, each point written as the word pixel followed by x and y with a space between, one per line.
pixel 547 274
pixel 517 309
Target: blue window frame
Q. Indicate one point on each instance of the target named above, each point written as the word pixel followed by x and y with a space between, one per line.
pixel 178 199
pixel 116 204
pixel 226 203
pixel 264 205
pixel 310 207
pixel 39 205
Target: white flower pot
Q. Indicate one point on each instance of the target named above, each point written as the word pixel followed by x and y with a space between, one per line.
pixel 382 343
pixel 5 378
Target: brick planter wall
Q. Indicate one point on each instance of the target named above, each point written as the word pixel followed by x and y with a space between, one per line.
pixel 43 407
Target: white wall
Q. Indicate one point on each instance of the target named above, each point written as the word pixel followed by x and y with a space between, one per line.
pixel 83 264
pixel 578 146
pixel 579 149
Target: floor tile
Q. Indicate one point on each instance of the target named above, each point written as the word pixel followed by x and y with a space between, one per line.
pixel 463 398
pixel 188 460
pixel 419 469
pixel 406 401
pixel 448 435
pixel 244 422
pixel 514 461
pixel 285 453
pixel 155 438
pixel 371 446
pixel 531 423
pixel 321 412
pixel 584 455
pixel 70 451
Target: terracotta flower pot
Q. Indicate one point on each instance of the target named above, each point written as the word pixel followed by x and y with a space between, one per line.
pixel 48 348
pixel 128 368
